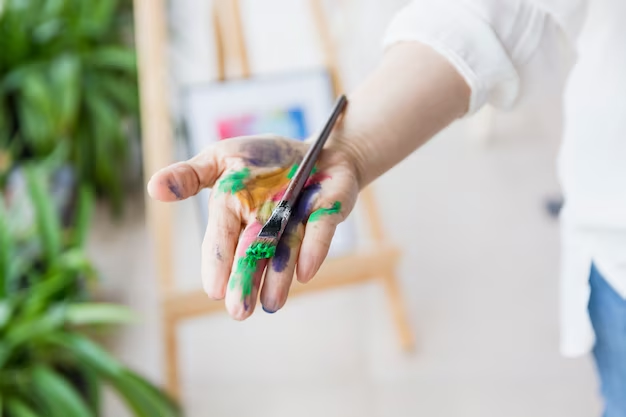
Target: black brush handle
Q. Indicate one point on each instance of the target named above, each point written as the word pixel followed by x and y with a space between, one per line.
pixel 310 158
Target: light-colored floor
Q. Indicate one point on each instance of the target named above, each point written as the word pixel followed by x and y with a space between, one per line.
pixel 479 275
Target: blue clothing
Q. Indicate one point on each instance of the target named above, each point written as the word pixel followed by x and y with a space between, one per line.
pixel 607 310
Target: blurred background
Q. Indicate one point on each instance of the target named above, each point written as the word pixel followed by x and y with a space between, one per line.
pixel 472 211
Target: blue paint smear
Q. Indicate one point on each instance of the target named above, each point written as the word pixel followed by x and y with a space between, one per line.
pixel 268 311
pixel 300 213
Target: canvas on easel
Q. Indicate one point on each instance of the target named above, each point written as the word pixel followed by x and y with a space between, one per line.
pixel 376 261
pixel 291 105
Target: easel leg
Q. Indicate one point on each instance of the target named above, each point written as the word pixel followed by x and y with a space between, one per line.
pixel 172 382
pixel 399 311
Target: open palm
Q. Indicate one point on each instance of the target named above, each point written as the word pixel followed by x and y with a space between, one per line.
pixel 248 176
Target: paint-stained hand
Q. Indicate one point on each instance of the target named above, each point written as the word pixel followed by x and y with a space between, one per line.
pixel 248 176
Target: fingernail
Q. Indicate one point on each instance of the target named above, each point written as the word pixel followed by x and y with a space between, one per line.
pixel 268 311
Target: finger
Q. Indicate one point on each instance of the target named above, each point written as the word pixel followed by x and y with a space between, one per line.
pixel 218 247
pixel 185 179
pixel 318 235
pixel 280 270
pixel 245 277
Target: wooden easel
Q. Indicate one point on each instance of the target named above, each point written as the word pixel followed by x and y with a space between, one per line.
pixel 379 261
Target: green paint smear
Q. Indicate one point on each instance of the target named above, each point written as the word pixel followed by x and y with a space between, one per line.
pixel 295 167
pixel 246 266
pixel 319 213
pixel 235 181
pixel 260 250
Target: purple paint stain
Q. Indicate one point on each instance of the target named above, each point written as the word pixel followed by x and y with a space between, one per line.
pixel 174 189
pixel 281 256
pixel 303 207
pixel 266 153
pixel 299 215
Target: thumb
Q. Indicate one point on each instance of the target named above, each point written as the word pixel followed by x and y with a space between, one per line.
pixel 185 179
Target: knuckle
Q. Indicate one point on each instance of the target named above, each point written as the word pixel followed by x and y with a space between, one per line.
pixel 320 243
pixel 225 232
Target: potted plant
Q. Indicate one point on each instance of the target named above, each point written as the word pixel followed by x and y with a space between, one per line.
pixel 49 364
pixel 68 87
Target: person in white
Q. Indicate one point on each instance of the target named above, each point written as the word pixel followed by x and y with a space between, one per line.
pixel 445 59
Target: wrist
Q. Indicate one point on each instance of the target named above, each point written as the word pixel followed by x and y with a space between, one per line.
pixel 345 148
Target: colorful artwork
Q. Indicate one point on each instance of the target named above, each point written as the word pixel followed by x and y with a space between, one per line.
pixel 289 123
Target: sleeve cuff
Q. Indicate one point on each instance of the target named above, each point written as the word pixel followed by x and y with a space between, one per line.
pixel 468 42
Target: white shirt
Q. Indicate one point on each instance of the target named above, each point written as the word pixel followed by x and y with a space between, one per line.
pixel 491 43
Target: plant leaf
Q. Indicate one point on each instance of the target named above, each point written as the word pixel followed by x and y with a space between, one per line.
pixel 84 213
pixel 114 57
pixel 98 313
pixel 30 330
pixel 74 262
pixel 122 90
pixel 89 353
pixel 55 159
pixel 65 78
pixel 48 223
pixel 5 313
pixel 47 31
pixel 142 397
pixel 110 161
pixel 5 127
pixel 98 16
pixel 19 409
pixel 52 8
pixel 93 389
pixel 42 293
pixel 57 394
pixel 37 111
pixel 7 250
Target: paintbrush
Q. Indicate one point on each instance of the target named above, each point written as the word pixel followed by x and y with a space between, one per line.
pixel 264 245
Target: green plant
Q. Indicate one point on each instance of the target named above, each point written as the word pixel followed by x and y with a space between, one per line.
pixel 68 85
pixel 49 366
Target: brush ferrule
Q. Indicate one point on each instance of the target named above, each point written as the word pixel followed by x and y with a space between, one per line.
pixel 277 222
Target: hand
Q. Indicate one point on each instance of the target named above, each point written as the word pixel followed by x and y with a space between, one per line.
pixel 248 176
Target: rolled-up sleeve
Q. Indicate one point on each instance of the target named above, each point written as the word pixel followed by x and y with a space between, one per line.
pixel 487 41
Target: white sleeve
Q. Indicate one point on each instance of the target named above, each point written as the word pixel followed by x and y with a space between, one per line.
pixel 487 41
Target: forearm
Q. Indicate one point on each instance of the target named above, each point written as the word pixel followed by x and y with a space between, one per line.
pixel 412 95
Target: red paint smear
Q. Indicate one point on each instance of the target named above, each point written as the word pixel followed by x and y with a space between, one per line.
pixel 279 195
pixel 249 235
pixel 316 178
pixel 313 179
